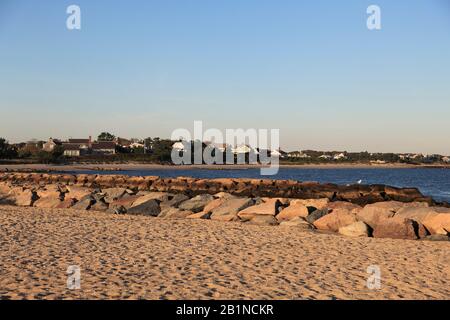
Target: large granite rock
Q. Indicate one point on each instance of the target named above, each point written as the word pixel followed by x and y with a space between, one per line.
pixel 174 213
pixel 396 228
pixel 435 219
pixel 318 204
pixel 229 209
pixel 157 196
pixel 337 219
pixel 295 209
pixel 113 194
pixel 356 229
pixel 50 191
pixel 174 201
pixel 23 197
pixel 196 204
pixel 76 192
pixel 85 203
pixel 311 218
pixel 48 202
pixel 271 208
pixel 148 208
pixel 297 222
pixel 262 220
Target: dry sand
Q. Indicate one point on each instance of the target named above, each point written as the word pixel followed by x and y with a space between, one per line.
pixel 131 257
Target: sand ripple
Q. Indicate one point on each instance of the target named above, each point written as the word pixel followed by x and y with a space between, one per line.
pixel 132 257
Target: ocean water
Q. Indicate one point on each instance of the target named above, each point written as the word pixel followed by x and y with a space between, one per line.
pixel 431 182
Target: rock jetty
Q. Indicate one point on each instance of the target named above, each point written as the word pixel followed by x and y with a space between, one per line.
pixel 354 211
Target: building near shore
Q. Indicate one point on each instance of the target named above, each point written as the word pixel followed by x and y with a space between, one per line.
pixel 71 150
pixel 104 147
pixel 51 144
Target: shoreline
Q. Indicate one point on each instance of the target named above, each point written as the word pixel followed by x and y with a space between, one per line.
pixel 130 166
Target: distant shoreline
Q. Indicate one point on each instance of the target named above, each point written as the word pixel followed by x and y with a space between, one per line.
pixel 139 166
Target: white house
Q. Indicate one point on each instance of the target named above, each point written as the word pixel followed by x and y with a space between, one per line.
pixel 243 148
pixel 326 157
pixel 446 159
pixel 340 156
pixel 298 154
pixel 179 146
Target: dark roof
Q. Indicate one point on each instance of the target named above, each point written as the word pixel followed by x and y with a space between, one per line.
pixel 78 140
pixel 101 145
pixel 71 147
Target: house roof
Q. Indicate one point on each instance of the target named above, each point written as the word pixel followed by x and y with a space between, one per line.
pixel 78 141
pixel 71 147
pixel 102 145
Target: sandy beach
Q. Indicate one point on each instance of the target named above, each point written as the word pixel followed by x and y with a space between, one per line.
pixel 136 257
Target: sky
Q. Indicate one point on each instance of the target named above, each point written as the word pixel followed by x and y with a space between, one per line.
pixel 309 68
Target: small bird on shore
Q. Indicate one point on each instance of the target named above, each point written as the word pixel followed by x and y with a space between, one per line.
pixel 359 181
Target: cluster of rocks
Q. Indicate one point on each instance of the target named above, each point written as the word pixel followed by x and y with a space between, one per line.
pixel 358 194
pixel 388 219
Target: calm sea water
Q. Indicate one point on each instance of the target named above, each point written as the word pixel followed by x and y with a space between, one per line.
pixel 431 182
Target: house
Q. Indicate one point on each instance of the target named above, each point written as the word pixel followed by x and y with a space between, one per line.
pixel 104 147
pixel 298 155
pixel 136 145
pixel 340 156
pixel 71 150
pixel 243 149
pixel 50 145
pixel 278 153
pixel 446 159
pixel 124 143
pixel 179 146
pixel 326 157
pixel 82 143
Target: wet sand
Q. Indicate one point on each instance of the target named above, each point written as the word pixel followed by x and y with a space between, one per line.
pixel 134 257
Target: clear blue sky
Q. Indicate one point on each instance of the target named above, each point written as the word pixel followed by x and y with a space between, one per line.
pixel 310 68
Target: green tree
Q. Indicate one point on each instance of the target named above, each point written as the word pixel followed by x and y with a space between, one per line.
pixel 106 136
pixel 7 151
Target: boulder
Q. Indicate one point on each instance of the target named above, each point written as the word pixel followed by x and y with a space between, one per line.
pixel 23 197
pixel 66 203
pixel 372 214
pixel 317 215
pixel 270 208
pixel 174 213
pixel 112 194
pixel 197 203
pixel 396 228
pixel 228 210
pixel 174 201
pixel 437 237
pixel 223 195
pixel 76 192
pixel 157 196
pixel 200 215
pixel 344 205
pixel 438 224
pixel 295 210
pixel 148 208
pixel 99 206
pixel 48 202
pixel 298 222
pixel 338 218
pixel 85 203
pixel 263 220
pixel 356 229
pixel 50 191
pixel 125 202
pixel 318 204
